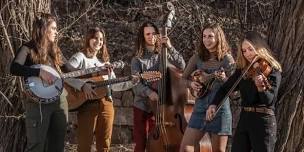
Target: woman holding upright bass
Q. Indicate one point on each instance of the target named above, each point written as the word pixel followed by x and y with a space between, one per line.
pixel 260 76
pixel 147 58
pixel 213 64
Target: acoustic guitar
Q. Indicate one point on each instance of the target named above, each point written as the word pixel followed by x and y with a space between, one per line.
pixel 76 98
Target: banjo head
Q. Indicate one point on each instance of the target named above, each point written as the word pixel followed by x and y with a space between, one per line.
pixel 42 91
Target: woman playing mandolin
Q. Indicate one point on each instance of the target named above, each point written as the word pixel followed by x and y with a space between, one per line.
pixel 210 67
pixel 256 130
pixel 95 115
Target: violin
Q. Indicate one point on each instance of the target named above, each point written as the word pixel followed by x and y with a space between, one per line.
pixel 257 67
pixel 260 67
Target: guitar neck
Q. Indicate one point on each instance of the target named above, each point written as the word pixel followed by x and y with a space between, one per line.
pixel 79 73
pixel 113 81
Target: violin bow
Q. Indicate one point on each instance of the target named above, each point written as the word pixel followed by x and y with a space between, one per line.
pixel 234 86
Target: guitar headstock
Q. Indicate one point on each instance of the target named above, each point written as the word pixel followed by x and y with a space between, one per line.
pixel 151 76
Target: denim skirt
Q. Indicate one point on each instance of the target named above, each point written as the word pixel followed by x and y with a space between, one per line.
pixel 222 122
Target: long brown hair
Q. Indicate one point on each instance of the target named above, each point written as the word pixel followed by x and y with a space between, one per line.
pixel 262 48
pixel 140 43
pixel 103 54
pixel 41 46
pixel 222 46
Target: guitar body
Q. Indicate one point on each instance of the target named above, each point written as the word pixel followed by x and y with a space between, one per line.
pixel 76 98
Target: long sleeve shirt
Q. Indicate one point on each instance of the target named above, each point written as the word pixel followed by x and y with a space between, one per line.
pixel 150 61
pixel 250 95
pixel 80 61
pixel 228 65
pixel 22 62
pixel 21 65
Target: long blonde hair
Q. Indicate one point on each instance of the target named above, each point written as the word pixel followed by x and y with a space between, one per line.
pixel 262 49
pixel 222 46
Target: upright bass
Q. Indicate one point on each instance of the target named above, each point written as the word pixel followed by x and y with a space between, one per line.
pixel 170 121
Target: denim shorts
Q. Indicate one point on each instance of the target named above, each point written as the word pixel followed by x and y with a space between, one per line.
pixel 222 122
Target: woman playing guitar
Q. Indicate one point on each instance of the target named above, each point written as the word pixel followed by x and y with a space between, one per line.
pixel 213 62
pixel 95 115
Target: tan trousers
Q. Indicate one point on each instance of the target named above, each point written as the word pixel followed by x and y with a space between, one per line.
pixel 95 119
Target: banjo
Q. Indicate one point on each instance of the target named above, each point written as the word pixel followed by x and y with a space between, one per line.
pixel 42 92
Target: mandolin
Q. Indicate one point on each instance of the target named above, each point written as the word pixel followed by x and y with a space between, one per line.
pixel 205 80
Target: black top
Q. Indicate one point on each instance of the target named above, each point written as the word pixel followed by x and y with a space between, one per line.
pixel 25 70
pixel 249 92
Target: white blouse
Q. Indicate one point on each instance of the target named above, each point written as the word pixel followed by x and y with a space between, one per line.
pixel 81 61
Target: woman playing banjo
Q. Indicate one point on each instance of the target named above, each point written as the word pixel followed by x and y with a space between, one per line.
pixel 45 123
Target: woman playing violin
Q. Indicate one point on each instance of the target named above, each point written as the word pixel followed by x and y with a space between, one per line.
pixel 256 128
pixel 213 58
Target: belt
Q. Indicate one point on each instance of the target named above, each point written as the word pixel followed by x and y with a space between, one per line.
pixel 264 110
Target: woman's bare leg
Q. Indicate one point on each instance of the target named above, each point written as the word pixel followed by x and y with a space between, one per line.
pixel 219 143
pixel 191 138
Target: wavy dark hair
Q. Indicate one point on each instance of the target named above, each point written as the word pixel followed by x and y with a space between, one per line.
pixel 140 43
pixel 103 54
pixel 41 47
pixel 222 46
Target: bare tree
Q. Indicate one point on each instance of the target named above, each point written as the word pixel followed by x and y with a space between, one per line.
pixel 287 39
pixel 16 17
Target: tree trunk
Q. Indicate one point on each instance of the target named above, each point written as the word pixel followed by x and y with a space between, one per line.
pixel 16 19
pixel 287 40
